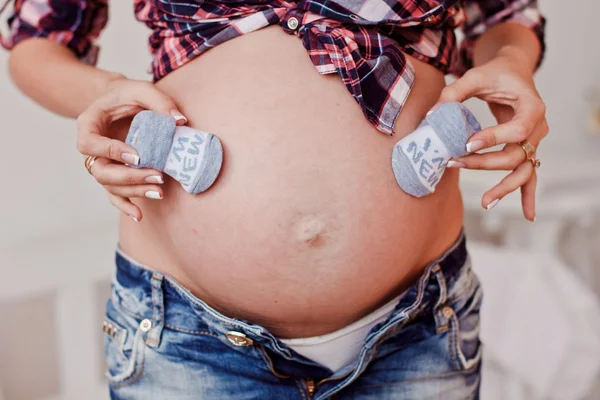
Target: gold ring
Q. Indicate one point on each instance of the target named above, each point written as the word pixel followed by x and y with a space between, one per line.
pixel 528 148
pixel 89 161
pixel 535 162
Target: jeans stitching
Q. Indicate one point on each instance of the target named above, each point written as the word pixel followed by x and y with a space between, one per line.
pixel 223 319
pixel 462 359
pixel 200 303
pixel 300 389
pixel 457 355
pixel 137 373
pixel 187 295
pixel 269 363
pixel 431 377
pixel 154 335
pixel 443 296
pixel 453 341
pixel 132 379
pixel 193 332
pixel 421 284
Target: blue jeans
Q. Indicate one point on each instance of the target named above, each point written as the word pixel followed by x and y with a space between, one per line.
pixel 161 342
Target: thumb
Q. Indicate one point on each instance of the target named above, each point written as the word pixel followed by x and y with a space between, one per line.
pixel 469 85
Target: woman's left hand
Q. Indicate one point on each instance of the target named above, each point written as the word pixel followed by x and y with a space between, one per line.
pixel 507 86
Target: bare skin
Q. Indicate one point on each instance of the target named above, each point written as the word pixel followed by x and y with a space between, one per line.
pixel 306 229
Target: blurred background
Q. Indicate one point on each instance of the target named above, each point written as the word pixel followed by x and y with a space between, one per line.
pixel 541 314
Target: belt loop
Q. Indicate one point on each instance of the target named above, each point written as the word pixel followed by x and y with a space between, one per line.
pixel 158 305
pixel 440 319
pixel 442 284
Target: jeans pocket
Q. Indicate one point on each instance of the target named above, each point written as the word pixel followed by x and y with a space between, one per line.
pixel 124 348
pixel 463 323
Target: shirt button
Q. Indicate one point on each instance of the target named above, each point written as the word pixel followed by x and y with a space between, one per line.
pixel 145 325
pixel 238 339
pixel 292 23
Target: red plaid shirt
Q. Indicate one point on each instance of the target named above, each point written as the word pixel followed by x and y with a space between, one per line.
pixel 363 41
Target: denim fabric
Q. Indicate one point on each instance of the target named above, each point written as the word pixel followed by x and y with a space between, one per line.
pixel 161 342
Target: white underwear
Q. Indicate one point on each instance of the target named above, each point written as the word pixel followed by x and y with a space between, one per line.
pixel 340 348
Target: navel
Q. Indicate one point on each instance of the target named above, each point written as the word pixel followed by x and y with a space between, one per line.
pixel 310 230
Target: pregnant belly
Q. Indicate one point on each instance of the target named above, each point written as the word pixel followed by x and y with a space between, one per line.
pixel 306 228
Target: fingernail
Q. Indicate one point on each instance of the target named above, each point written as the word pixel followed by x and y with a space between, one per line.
pixel 492 204
pixel 154 179
pixel 435 107
pixel 133 218
pixel 455 164
pixel 475 145
pixel 534 218
pixel 178 116
pixel 151 194
pixel 130 159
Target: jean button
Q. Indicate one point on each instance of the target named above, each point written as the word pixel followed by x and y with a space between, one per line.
pixel 238 339
pixel 145 325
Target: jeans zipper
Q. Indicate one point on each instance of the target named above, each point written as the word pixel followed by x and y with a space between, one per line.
pixel 310 387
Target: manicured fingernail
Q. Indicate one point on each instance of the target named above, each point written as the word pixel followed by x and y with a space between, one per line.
pixel 492 204
pixel 475 145
pixel 130 159
pixel 455 164
pixel 154 179
pixel 178 116
pixel 151 194
pixel 133 218
pixel 435 107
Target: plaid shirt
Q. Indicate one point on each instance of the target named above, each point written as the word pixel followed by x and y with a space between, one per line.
pixel 363 41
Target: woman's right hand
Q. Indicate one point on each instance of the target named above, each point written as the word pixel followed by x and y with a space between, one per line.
pixel 122 98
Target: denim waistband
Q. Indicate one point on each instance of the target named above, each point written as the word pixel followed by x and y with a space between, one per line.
pixel 147 294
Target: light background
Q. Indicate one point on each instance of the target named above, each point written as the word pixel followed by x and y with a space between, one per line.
pixel 57 229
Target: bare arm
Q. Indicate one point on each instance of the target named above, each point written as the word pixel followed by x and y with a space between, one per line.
pixel 55 78
pixel 509 39
pixel 53 50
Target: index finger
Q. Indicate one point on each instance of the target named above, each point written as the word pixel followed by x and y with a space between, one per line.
pixel 527 116
pixel 90 139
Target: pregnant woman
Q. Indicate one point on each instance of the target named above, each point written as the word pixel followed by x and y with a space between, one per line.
pixel 304 271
